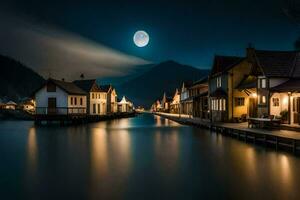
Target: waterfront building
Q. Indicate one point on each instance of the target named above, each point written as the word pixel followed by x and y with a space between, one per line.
pixel 10 105
pixel 112 98
pixel 199 95
pixel 186 103
pixel 225 75
pixel 96 97
pixel 57 97
pixel 175 103
pixel 125 105
pixel 165 103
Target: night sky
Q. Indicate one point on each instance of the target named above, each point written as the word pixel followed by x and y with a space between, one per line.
pixel 187 32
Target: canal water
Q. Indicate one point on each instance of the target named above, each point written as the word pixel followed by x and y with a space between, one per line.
pixel 146 157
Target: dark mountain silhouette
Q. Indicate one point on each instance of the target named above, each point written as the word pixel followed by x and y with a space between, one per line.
pixel 163 77
pixel 16 80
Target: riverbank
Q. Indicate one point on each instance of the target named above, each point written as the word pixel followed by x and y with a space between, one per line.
pixel 278 139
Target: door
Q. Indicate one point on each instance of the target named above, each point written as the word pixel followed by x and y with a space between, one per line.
pixel 51 105
pixel 252 107
pixel 296 109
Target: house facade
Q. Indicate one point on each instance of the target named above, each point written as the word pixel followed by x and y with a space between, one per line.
pixel 165 103
pixel 175 103
pixel 57 97
pixel 186 102
pixel 199 94
pixel 125 105
pixel 226 74
pixel 112 98
pixel 96 98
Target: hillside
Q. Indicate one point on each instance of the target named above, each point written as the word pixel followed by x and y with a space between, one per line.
pixel 163 77
pixel 16 80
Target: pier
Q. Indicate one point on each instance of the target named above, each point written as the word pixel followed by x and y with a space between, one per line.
pixel 278 139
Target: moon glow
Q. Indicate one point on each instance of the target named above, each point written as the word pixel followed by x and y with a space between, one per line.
pixel 141 38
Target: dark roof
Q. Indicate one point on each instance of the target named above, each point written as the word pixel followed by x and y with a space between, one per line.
pixel 87 85
pixel 292 85
pixel 248 82
pixel 204 94
pixel 68 87
pixel 105 88
pixel 219 92
pixel 278 63
pixel 201 81
pixel 224 63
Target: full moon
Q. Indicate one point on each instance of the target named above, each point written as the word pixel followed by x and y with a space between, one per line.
pixel 141 38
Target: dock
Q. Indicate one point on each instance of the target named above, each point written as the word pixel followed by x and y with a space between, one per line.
pixel 279 139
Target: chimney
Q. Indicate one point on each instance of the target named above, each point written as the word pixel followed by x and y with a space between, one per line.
pixel 250 52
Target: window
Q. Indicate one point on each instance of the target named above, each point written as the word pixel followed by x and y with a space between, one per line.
pixel 263 99
pixel 81 102
pixel 71 100
pixel 239 101
pixel 75 101
pixel 219 81
pixel 94 108
pixel 262 83
pixel 51 87
pixel 98 108
pixel 275 102
pixel 220 104
pixel 224 104
pixel 93 96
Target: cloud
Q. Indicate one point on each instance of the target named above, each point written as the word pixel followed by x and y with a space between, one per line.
pixel 60 54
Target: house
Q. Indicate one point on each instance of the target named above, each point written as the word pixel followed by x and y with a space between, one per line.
pixel 112 98
pixel 226 74
pixel 165 103
pixel 96 97
pixel 186 103
pixel 156 106
pixel 28 105
pixel 10 105
pixel 199 95
pixel 125 105
pixel 57 97
pixel 175 103
pixel 277 76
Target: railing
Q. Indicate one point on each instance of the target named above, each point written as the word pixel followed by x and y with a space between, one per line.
pixel 60 111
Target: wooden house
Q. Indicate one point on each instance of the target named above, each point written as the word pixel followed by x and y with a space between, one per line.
pixel 199 94
pixel 57 97
pixel 96 97
pixel 186 102
pixel 227 72
pixel 165 103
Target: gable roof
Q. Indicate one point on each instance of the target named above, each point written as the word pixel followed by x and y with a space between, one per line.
pixel 68 87
pixel 87 85
pixel 224 63
pixel 278 63
pixel 292 85
pixel 105 88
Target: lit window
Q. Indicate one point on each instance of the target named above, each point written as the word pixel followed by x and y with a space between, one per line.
pixel 219 82
pixel 263 99
pixel 275 102
pixel 224 104
pixel 71 100
pixel 220 105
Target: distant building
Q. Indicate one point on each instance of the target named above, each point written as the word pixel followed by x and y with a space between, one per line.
pixel 57 97
pixel 96 98
pixel 125 105
pixel 165 103
pixel 198 93
pixel 186 102
pixel 28 105
pixel 175 103
pixel 112 98
pixel 10 105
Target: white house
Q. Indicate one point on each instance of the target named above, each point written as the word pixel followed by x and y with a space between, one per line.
pixel 96 98
pixel 125 105
pixel 60 98
pixel 10 105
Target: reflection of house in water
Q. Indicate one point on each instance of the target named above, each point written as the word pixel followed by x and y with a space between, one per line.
pixel 32 153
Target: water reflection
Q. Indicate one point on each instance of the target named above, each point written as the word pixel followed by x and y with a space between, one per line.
pixel 32 152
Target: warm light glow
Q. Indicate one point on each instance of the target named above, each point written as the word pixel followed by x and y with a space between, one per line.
pixel 254 95
pixel 285 100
